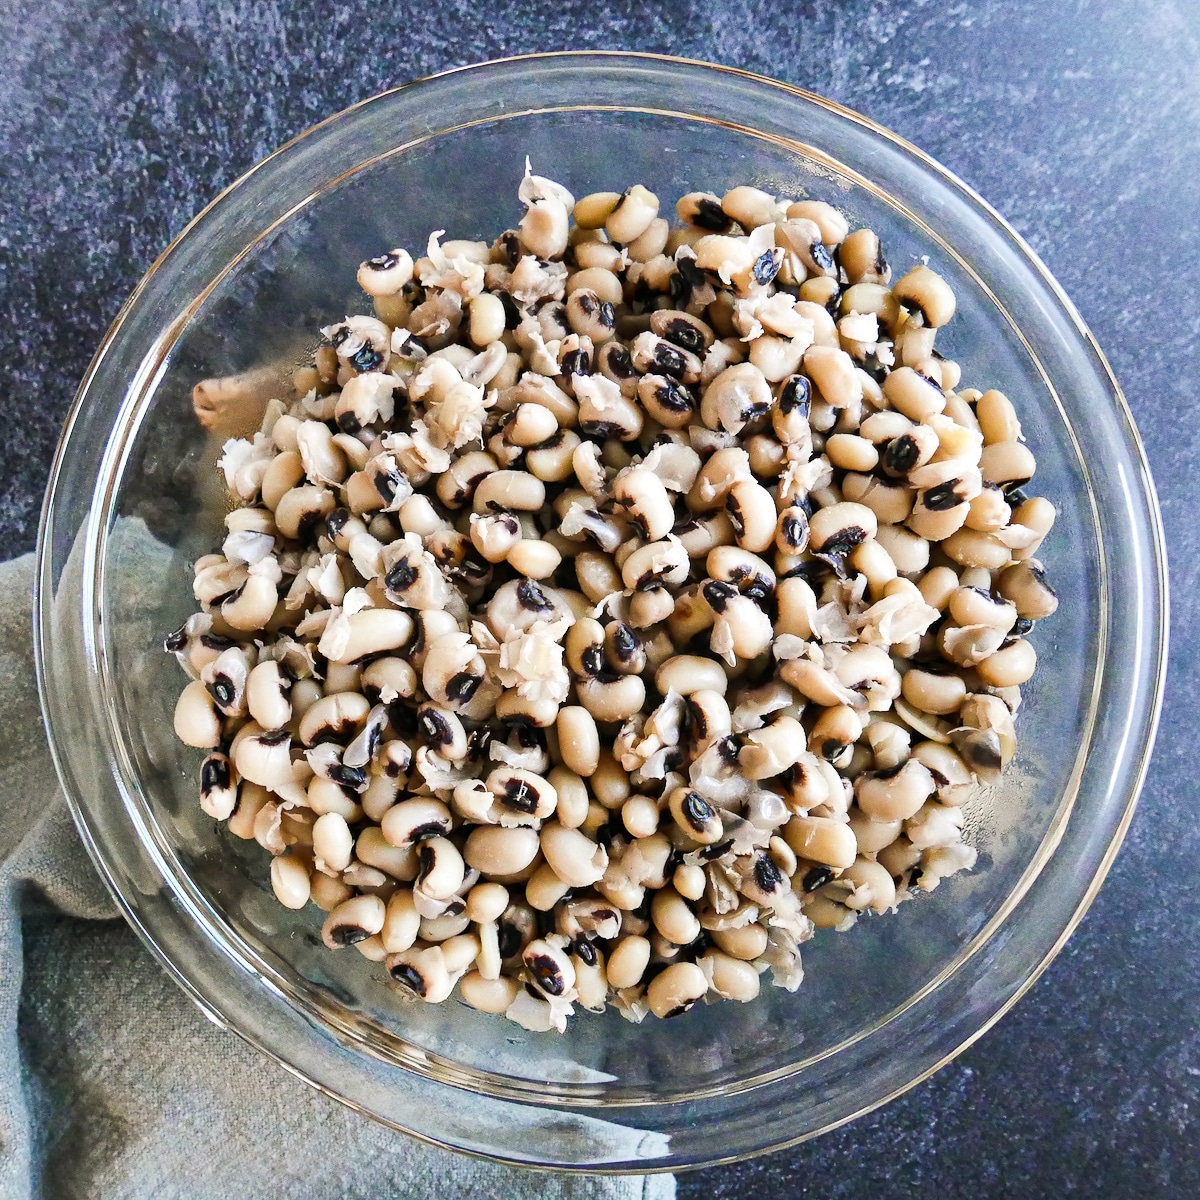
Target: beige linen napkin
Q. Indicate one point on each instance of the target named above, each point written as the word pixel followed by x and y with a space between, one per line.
pixel 114 1086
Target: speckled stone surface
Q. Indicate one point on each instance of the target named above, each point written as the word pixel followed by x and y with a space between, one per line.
pixel 1079 121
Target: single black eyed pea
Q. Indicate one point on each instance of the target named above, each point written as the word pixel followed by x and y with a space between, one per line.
pixel 552 462
pixel 751 207
pixel 534 558
pixel 690 673
pixel 650 243
pixel 495 851
pixel 1010 666
pixel 1037 514
pixel 989 510
pixel 328 892
pixel 926 295
pixel 598 254
pixel 591 211
pixel 909 552
pixel 997 418
pixel 732 979
pixel 676 989
pixel 644 497
pixel 325 796
pixel 696 816
pixel 544 889
pixel 937 586
pixel 935 692
pixel 745 943
pixel 833 226
pixel 197 722
pixel 849 452
pixel 893 795
pixel 673 917
pixel 516 490
pixel 1024 585
pixel 632 215
pixel 353 920
pixel 333 843
pixel 488 995
pixel 899 857
pixel 578 740
pixel 486 319
pixel 1007 462
pixel 974 606
pixel 840 527
pixel 912 394
pixel 970 548
pixel 639 815
pixel 934 524
pixel 834 733
pixel 751 509
pixel 873 836
pixel 689 881
pixel 702 210
pixel 284 473
pixel 609 781
pixel 596 575
pixel 291 880
pixel 823 840
pixel 874 888
pixel 627 962
pixel 457 485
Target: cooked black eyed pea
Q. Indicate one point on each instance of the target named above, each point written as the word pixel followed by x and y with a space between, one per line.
pixel 596 575
pixel 627 961
pixel 893 795
pixel 926 296
pixel 773 749
pixel 615 363
pixel 578 740
pixel 1010 666
pixel 649 244
pixel 838 529
pixel 218 786
pixel 441 868
pixel 1024 585
pixel 908 551
pixel 515 490
pixel 197 721
pixel 632 214
pixel 291 880
pixel 584 648
pixel 738 395
pixel 862 258
pixel 457 485
pixel 752 511
pixel 650 607
pixel 411 821
pixel 674 990
pixel 822 840
pixel 590 316
pixel 989 510
pixel 332 842
pixel 666 400
pixel 443 731
pixel 913 394
pixel 974 606
pixel 652 354
pixel 623 649
pixel 834 733
pixel 496 851
pixel 933 691
pixel 550 970
pixel 1007 462
pixel 696 816
pixel 682 330
pixel 873 887
pixel 691 673
pixel 422 972
pixel 703 210
pixel 970 548
pixel 644 498
pixel 590 212
pixel 352 921
pixel 522 793
pixel 656 565
pixel 387 274
pixel 612 699
pixel 574 857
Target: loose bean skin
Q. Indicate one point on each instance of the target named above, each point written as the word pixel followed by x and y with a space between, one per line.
pixel 617 604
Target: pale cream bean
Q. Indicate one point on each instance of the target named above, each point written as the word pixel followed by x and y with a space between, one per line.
pixel 333 843
pixel 534 559
pixel 925 294
pixel 614 699
pixel 291 880
pixel 609 781
pixel 639 815
pixel 575 858
pixel 603 284
pixel 1024 585
pixel 872 884
pixel 544 889
pixel 873 836
pixel 997 418
pixel 690 673
pixel 197 722
pixel 495 851
pixel 751 207
pixel 823 839
pixel 486 319
pixel 401 922
pixel 833 226
pixel 353 920
pixel 850 452
pixel 689 881
pixel 373 849
pixel 732 979
pixel 840 527
pixel 913 394
pixel 325 796
pixel 937 692
pixel 650 243
pixel 1007 462
pixel 975 606
pixel 751 509
pixel 937 586
pixel 627 962
pixel 516 490
pixel 970 548
pixel 676 989
pixel 488 995
pixel 1010 666
pixel 578 739
pixel 633 214
pixel 573 797
pixel 895 795
pixel 745 943
pixel 909 552
pixel 590 212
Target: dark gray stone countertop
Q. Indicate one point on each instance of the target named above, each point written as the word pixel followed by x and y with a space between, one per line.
pixel 1079 120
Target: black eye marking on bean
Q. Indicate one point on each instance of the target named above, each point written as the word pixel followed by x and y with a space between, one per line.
pixel 348 935
pixel 214 774
pixel 767 875
pixel 351 777
pixel 901 455
pixel 519 796
pixel 401 576
pixel 409 976
pixel 942 497
pixel 697 810
pixel 766 267
pixel 710 215
pixel 463 686
pixel 817 877
pixel 795 396
pixel 547 973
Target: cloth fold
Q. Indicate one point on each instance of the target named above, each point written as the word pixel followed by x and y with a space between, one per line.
pixel 113 1084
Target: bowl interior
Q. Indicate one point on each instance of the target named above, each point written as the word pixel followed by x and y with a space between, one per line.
pixel 164 510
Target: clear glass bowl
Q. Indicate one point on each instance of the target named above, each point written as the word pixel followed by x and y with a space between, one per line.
pixel 133 499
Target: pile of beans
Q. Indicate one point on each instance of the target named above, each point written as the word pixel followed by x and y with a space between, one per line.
pixel 617 604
